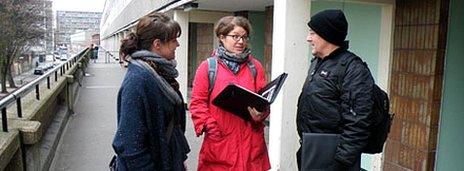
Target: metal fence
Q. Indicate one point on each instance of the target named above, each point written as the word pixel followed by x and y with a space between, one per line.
pixel 109 54
pixel 17 95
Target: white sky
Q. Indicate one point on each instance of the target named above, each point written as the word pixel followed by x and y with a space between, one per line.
pixel 78 5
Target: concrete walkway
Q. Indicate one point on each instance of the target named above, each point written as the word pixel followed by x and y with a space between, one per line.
pixel 86 142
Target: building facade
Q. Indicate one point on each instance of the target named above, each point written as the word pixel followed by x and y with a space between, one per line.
pixel 45 44
pixel 71 22
pixel 48 25
pixel 411 46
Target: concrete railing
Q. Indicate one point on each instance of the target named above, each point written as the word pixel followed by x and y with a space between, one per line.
pixel 32 121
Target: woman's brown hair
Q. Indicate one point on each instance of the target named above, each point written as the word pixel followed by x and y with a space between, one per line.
pixel 149 28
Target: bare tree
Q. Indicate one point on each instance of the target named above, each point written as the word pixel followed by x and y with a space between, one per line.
pixel 21 28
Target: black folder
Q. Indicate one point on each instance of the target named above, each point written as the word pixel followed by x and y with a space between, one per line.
pixel 235 98
pixel 318 152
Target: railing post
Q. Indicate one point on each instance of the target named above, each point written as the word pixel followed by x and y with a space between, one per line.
pixel 18 105
pixel 4 120
pixel 37 93
pixel 48 82
pixel 106 57
pixel 56 75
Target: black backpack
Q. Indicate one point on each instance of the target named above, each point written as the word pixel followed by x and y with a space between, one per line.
pixel 382 118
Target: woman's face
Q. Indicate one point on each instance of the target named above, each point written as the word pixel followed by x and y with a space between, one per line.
pixel 167 49
pixel 236 40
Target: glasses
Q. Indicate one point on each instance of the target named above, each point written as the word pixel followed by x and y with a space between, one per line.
pixel 245 38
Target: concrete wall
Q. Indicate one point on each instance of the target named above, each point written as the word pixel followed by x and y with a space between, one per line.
pixel 450 153
pixel 127 13
pixel 43 120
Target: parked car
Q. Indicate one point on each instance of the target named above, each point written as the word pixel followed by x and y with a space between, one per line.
pixel 39 70
pixel 49 58
pixel 48 66
pixel 64 57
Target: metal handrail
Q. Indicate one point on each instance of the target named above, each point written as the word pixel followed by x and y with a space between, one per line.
pixel 16 95
pixel 109 53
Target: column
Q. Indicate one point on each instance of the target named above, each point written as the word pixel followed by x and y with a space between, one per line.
pixel 182 51
pixel 290 54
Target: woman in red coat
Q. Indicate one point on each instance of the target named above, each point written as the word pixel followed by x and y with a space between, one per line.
pixel 230 142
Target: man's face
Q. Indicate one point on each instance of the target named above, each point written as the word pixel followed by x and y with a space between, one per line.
pixel 318 44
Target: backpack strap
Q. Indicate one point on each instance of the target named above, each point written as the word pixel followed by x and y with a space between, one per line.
pixel 252 67
pixel 212 68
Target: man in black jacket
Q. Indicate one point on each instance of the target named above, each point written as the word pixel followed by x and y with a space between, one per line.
pixel 334 102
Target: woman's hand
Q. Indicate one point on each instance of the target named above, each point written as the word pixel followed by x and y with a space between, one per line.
pixel 255 114
pixel 212 128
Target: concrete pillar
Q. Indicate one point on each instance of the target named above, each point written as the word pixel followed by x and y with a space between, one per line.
pixel 385 44
pixel 290 54
pixel 182 51
pixel 385 53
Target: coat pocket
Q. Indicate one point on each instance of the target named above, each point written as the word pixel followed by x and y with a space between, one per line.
pixel 218 151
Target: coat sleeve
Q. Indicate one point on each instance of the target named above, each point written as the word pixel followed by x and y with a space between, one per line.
pixel 199 103
pixel 130 139
pixel 356 105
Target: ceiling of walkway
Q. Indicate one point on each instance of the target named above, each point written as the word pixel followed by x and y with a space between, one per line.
pixel 234 5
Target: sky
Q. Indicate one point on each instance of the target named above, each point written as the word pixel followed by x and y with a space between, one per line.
pixel 78 5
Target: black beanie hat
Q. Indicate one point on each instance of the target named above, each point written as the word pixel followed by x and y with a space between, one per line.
pixel 331 25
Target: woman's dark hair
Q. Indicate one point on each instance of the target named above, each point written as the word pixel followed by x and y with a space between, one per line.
pixel 149 28
pixel 227 24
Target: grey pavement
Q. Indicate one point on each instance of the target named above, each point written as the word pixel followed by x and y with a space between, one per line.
pixel 86 141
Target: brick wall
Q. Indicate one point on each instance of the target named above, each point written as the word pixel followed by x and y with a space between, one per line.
pixel 416 83
pixel 204 41
pixel 200 46
pixel 268 41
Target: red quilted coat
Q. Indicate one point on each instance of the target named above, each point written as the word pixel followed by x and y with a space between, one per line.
pixel 230 143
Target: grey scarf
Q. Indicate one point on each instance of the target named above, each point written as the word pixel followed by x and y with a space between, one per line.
pixel 232 61
pixel 166 89
pixel 167 66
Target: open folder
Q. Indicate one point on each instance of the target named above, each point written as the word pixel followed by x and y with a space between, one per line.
pixel 235 98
